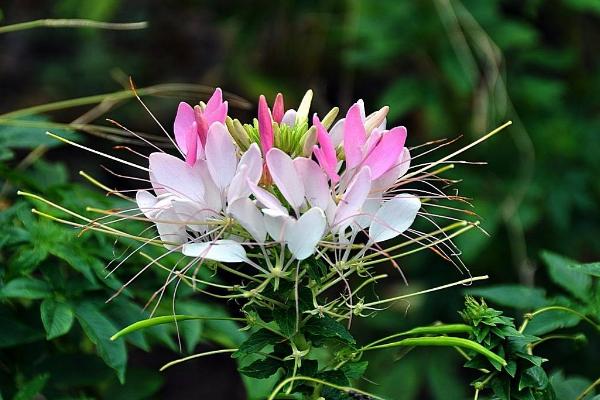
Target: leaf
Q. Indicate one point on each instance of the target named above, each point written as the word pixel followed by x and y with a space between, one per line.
pixel 262 369
pixel 26 259
pixel 592 269
pixel 57 318
pixel 32 388
pixel 256 342
pixel 534 377
pixel 354 370
pixel 286 320
pixel 26 288
pixel 317 329
pixel 577 283
pixel 517 296
pixel 98 329
pixel 26 132
pixel 140 384
pixel 550 321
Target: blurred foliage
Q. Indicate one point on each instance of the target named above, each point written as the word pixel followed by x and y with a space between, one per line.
pixel 445 67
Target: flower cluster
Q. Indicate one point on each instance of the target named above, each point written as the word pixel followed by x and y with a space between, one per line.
pixel 238 187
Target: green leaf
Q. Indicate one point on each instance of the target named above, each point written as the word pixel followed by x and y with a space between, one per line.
pixel 534 377
pixel 262 369
pixel 286 320
pixel 26 259
pixel 327 328
pixel 592 269
pixel 256 342
pixel 576 282
pixel 354 370
pixel 26 288
pixel 29 132
pixel 568 388
pixel 549 321
pixel 98 328
pixel 56 317
pixel 32 388
pixel 517 296
pixel 140 384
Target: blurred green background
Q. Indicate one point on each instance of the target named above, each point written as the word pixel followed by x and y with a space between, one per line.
pixel 445 68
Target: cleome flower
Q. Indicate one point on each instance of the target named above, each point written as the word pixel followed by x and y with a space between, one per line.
pixel 283 190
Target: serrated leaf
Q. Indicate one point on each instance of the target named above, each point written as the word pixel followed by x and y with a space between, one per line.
pixel 327 328
pixel 26 288
pixel 256 342
pixel 261 369
pixel 550 321
pixel 355 370
pixel 517 296
pixel 534 377
pixel 575 282
pixel 99 329
pixel 286 320
pixel 57 318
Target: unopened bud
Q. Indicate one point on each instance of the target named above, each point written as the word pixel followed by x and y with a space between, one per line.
pixel 330 117
pixel 309 142
pixel 375 119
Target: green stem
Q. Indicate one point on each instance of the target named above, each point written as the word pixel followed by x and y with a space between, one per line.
pixel 146 323
pixel 445 341
pixel 588 390
pixel 344 389
pixel 165 88
pixel 184 359
pixel 72 23
pixel 461 282
pixel 427 330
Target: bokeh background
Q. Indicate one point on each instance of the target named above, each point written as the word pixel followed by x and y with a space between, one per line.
pixel 445 67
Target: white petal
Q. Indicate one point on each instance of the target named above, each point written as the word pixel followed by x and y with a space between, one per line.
pixel 353 198
pixel 145 201
pixel 368 210
pixel 337 133
pixel 277 223
pixel 193 214
pixel 220 155
pixel 176 177
pixel 289 118
pixel 314 181
pixel 249 216
pixel 394 217
pixel 212 195
pixel 284 174
pixel 303 235
pixel 266 199
pixel 220 250
pixel 249 168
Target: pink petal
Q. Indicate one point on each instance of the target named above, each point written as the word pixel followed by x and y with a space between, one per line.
pixel 386 152
pixel 214 102
pixel 182 125
pixel 326 153
pixel 388 179
pixel 265 125
pixel 353 198
pixel 192 145
pixel 285 176
pixel 278 108
pixel 354 136
pixel 202 124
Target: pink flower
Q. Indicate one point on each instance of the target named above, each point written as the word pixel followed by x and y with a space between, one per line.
pixel 191 125
pixel 265 125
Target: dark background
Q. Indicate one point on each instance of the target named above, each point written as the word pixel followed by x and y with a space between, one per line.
pixel 445 68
